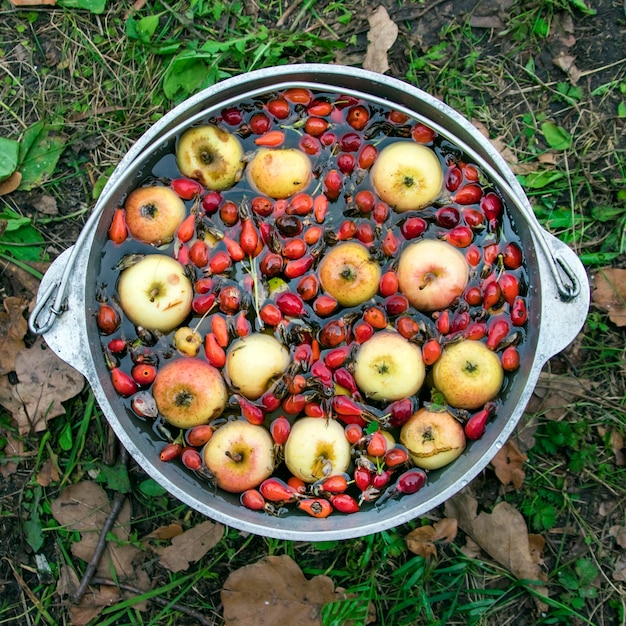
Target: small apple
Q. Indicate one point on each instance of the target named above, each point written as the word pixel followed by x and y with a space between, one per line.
pixel 468 374
pixel 407 175
pixel 433 439
pixel 155 293
pixel 279 172
pixel 254 361
pixel 240 455
pixel 189 392
pixel 349 273
pixel 316 447
pixel 211 155
pixel 431 274
pixel 388 367
pixel 153 214
pixel 187 341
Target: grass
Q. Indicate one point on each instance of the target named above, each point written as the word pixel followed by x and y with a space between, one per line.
pixel 99 81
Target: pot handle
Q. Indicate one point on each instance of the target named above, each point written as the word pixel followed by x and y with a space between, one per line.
pixel 65 331
pixel 561 318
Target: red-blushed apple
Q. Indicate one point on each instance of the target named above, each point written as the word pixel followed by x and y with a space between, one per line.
pixel 349 273
pixel 316 447
pixel 279 172
pixel 468 374
pixel 211 155
pixel 433 439
pixel 240 455
pixel 254 362
pixel 431 274
pixel 388 367
pixel 407 175
pixel 189 392
pixel 153 214
pixel 155 293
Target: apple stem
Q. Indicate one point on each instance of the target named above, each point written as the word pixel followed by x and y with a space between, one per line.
pixel 237 457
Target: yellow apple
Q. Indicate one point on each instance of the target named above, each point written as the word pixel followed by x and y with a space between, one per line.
pixel 431 274
pixel 240 456
pixel 407 175
pixel 387 367
pixel 211 155
pixel 317 447
pixel 279 172
pixel 155 293
pixel 433 439
pixel 349 273
pixel 468 374
pixel 189 392
pixel 254 362
pixel 153 214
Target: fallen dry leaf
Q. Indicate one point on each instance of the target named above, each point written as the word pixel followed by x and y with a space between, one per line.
pixel 49 473
pixel 505 152
pixel 23 283
pixel 190 546
pixel 13 328
pixel 45 381
pixel 619 572
pixel 609 293
pixel 275 591
pixel 503 535
pixel 555 395
pixel 382 35
pixel 562 29
pixel 619 534
pixel 420 542
pixel 616 441
pixel 10 184
pixel 45 204
pixel 164 532
pixel 508 464
pixel 566 62
pixel 14 449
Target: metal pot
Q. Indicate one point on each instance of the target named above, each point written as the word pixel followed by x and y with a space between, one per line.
pixel 558 301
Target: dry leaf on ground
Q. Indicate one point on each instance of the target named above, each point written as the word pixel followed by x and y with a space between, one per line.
pixel 45 381
pixel 609 293
pixel 10 184
pixel 13 328
pixel 190 546
pixel 554 395
pixel 509 465
pixel 619 534
pixel 14 449
pixel 49 472
pixel 164 532
pixel 275 591
pixel 503 535
pixel 421 541
pixel 381 36
pixel 84 507
pixel 567 63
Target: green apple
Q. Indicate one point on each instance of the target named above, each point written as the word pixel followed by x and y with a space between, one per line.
pixel 155 293
pixel 279 172
pixel 407 175
pixel 211 155
pixel 433 439
pixel 468 374
pixel 388 367
pixel 317 447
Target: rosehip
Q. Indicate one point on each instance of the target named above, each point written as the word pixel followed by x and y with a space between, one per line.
pixel 344 503
pixel 280 429
pixel 510 359
pixel 252 499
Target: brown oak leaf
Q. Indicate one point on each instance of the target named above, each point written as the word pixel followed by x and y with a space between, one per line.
pixel 508 464
pixel 275 591
pixel 609 293
pixel 190 546
pixel 13 328
pixel 421 541
pixel 381 36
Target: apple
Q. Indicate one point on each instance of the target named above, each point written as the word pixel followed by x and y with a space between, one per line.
pixel 254 362
pixel 189 392
pixel 155 293
pixel 279 172
pixel 433 439
pixel 468 374
pixel 431 274
pixel 349 273
pixel 153 214
pixel 407 175
pixel 316 448
pixel 210 155
pixel 240 456
pixel 388 367
pixel 187 341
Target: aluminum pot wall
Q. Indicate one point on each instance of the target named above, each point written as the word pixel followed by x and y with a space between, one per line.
pixel 558 303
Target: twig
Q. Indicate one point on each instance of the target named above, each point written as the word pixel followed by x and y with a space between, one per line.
pixel 31 596
pixel 162 601
pixel 118 502
pixel 283 18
